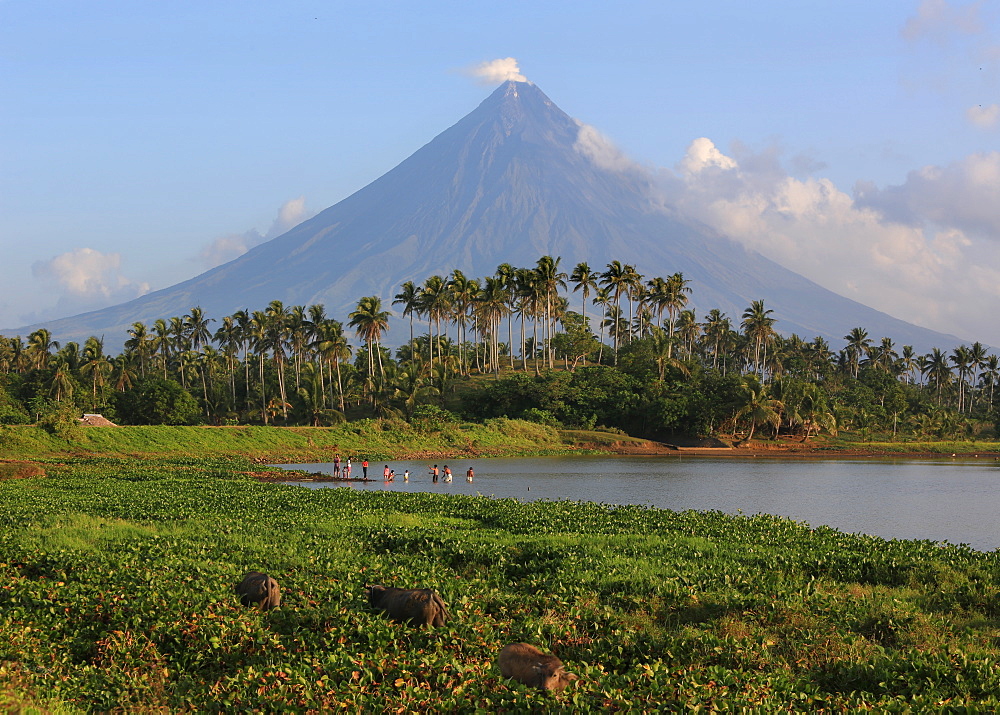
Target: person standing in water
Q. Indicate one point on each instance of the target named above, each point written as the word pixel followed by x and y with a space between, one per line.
pixel 364 469
pixel 347 469
pixel 386 472
pixel 336 466
pixel 434 473
pixel 469 475
pixel 447 473
pixel 406 475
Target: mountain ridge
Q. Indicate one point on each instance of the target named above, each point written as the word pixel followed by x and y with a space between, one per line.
pixel 507 183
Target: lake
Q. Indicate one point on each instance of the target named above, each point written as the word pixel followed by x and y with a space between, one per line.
pixel 941 499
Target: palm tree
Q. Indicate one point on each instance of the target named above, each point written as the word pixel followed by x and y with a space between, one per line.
pixel 331 345
pixel 660 341
pixel 759 408
pixel 935 367
pixel 409 298
pixel 274 336
pixel 491 306
pixel 196 328
pixel 758 327
pixel 39 348
pixel 550 279
pixel 508 276
pixel 434 299
pixel 675 297
pixel 715 328
pixel 97 364
pixel 462 292
pixel 161 342
pixel 977 360
pixel 61 382
pixel 602 298
pixel 139 344
pixel 370 321
pixel 616 280
pixel 961 358
pixel 858 344
pixel 584 280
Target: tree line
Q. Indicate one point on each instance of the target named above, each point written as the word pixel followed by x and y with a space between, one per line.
pixel 634 356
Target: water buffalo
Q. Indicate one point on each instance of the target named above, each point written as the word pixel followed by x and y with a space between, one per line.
pixel 418 606
pixel 528 665
pixel 261 589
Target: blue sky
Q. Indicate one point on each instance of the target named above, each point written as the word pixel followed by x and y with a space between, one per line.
pixel 855 142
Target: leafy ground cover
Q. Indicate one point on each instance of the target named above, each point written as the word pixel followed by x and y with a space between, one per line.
pixel 116 579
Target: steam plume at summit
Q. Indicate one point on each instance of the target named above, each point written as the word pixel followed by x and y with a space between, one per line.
pixel 496 71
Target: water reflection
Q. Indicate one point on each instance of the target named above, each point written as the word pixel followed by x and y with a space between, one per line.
pixel 938 499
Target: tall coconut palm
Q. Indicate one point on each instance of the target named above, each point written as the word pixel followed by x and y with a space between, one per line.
pixel 507 275
pixel 550 279
pixel 409 298
pixel 758 326
pixel 331 345
pixel 39 348
pixel 602 299
pixel 616 279
pixel 434 303
pixel 491 306
pixel 961 358
pixel 715 328
pixel 139 344
pixel 935 366
pixel 196 328
pixel 977 360
pixel 858 344
pixel 96 364
pixel 675 298
pixel 370 322
pixel 584 280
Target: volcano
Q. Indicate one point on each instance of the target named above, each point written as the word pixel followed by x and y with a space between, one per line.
pixel 512 181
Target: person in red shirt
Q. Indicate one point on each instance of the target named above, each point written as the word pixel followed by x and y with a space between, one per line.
pixel 364 469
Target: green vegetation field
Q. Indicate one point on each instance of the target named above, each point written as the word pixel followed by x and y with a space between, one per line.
pixel 116 578
pixel 375 439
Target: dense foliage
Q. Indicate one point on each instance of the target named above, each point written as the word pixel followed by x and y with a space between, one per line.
pixel 643 363
pixel 116 581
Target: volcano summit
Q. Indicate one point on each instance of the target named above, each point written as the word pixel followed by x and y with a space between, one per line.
pixel 515 179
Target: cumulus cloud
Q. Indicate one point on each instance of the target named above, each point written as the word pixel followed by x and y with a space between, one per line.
pixel 232 246
pixel 921 251
pixel 937 20
pixel 984 117
pixel 601 150
pixel 89 275
pixel 496 71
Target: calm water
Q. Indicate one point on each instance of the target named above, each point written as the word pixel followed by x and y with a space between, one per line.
pixel 951 500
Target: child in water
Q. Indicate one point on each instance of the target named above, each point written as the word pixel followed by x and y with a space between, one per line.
pixel 469 475
pixel 406 475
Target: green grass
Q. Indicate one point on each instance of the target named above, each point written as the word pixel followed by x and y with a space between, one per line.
pixel 116 578
pixel 374 439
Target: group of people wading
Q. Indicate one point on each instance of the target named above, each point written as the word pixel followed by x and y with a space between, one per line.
pixel 389 475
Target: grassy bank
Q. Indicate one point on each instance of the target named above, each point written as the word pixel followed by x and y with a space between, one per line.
pixel 374 439
pixel 116 578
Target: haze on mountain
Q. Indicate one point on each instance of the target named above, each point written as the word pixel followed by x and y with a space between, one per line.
pixel 512 181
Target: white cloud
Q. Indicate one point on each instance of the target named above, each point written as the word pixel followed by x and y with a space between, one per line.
pixel 702 154
pixel 88 274
pixel 226 248
pixel 601 150
pixel 938 20
pixel 496 71
pixel 919 251
pixel 984 117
